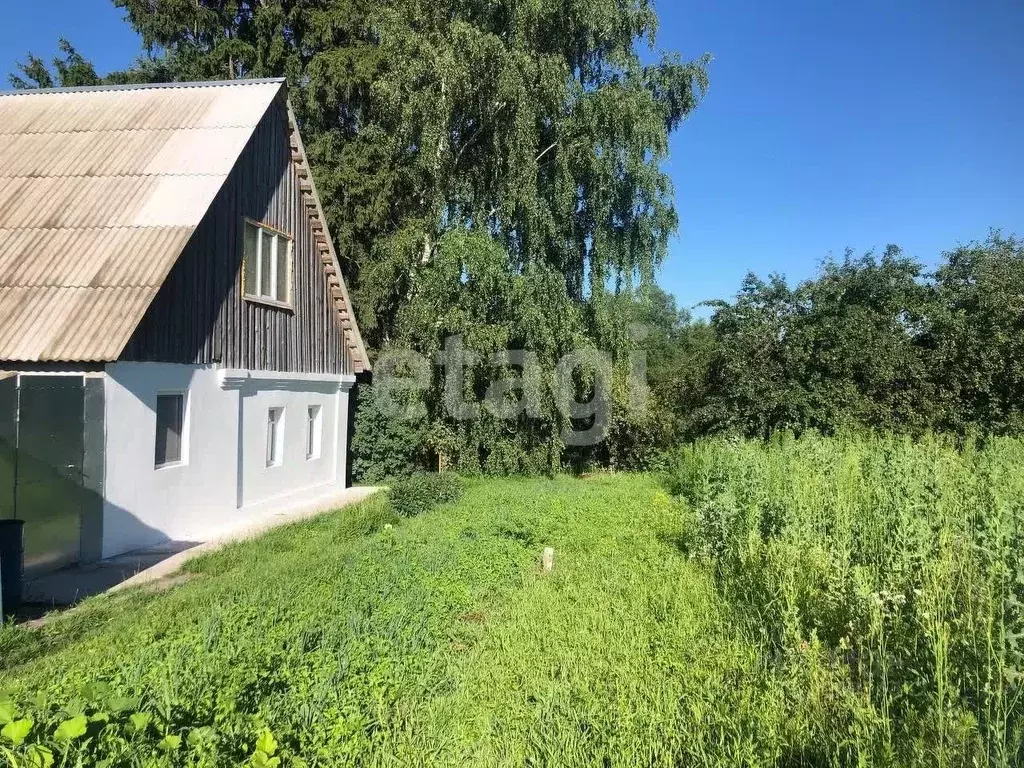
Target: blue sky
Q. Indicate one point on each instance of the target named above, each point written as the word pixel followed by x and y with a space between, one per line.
pixel 827 125
pixel 854 124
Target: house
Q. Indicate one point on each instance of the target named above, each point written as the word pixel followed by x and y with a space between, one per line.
pixel 176 339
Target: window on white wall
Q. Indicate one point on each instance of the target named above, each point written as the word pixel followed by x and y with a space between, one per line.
pixel 275 436
pixel 267 259
pixel 170 429
pixel 314 432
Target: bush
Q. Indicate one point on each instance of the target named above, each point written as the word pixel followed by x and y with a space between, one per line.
pixel 386 444
pixel 421 492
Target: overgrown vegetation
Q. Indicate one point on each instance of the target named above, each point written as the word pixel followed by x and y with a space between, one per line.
pixel 810 602
pixel 878 343
pixel 892 568
pixel 361 639
pixel 421 492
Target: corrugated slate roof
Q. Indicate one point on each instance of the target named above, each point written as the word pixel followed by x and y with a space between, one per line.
pixel 100 190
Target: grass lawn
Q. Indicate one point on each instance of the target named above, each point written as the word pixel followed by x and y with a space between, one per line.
pixel 435 641
pixel 809 603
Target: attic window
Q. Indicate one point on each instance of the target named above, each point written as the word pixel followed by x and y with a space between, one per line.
pixel 267 264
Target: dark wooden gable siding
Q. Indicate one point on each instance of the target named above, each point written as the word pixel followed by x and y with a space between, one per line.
pixel 199 315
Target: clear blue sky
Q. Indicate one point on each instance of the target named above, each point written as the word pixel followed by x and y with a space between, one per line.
pixel 827 125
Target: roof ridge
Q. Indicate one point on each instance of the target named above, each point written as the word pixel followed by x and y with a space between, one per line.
pixel 91 227
pixel 144 86
pixel 161 174
pixel 77 286
pixel 175 129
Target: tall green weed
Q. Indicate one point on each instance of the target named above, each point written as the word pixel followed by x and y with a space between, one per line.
pixel 899 559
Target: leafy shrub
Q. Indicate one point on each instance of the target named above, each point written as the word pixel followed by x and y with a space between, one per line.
pixel 421 492
pixel 389 438
pixel 98 721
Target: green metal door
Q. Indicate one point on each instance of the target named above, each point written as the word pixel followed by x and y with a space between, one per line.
pixel 8 442
pixel 49 493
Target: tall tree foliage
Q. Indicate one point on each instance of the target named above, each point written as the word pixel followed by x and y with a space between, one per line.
pixel 875 342
pixel 534 122
pixel 70 70
pixel 978 335
pixel 863 330
pixel 755 371
pixel 493 413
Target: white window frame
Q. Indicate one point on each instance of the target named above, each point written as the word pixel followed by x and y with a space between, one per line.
pixel 182 460
pixel 314 431
pixel 278 237
pixel 275 437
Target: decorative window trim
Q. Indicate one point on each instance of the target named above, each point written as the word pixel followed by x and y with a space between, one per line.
pixel 279 236
pixel 234 378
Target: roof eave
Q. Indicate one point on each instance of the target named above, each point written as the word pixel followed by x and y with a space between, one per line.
pixel 349 326
pixel 141 86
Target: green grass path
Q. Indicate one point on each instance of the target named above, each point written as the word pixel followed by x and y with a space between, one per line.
pixel 434 641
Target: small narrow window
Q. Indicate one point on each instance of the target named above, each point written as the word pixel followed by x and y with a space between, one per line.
pixel 252 259
pixel 170 428
pixel 267 259
pixel 275 436
pixel 267 263
pixel 314 432
pixel 283 270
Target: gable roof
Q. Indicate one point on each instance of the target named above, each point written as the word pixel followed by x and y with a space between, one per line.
pixel 100 190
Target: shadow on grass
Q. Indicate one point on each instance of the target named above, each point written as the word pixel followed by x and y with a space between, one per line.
pixel 22 643
pixel 679 542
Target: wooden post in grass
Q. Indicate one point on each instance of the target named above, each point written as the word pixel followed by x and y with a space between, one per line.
pixel 548 559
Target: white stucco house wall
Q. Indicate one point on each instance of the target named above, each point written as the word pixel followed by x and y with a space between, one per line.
pixel 177 344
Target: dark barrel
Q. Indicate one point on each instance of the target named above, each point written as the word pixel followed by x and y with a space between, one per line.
pixel 12 564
